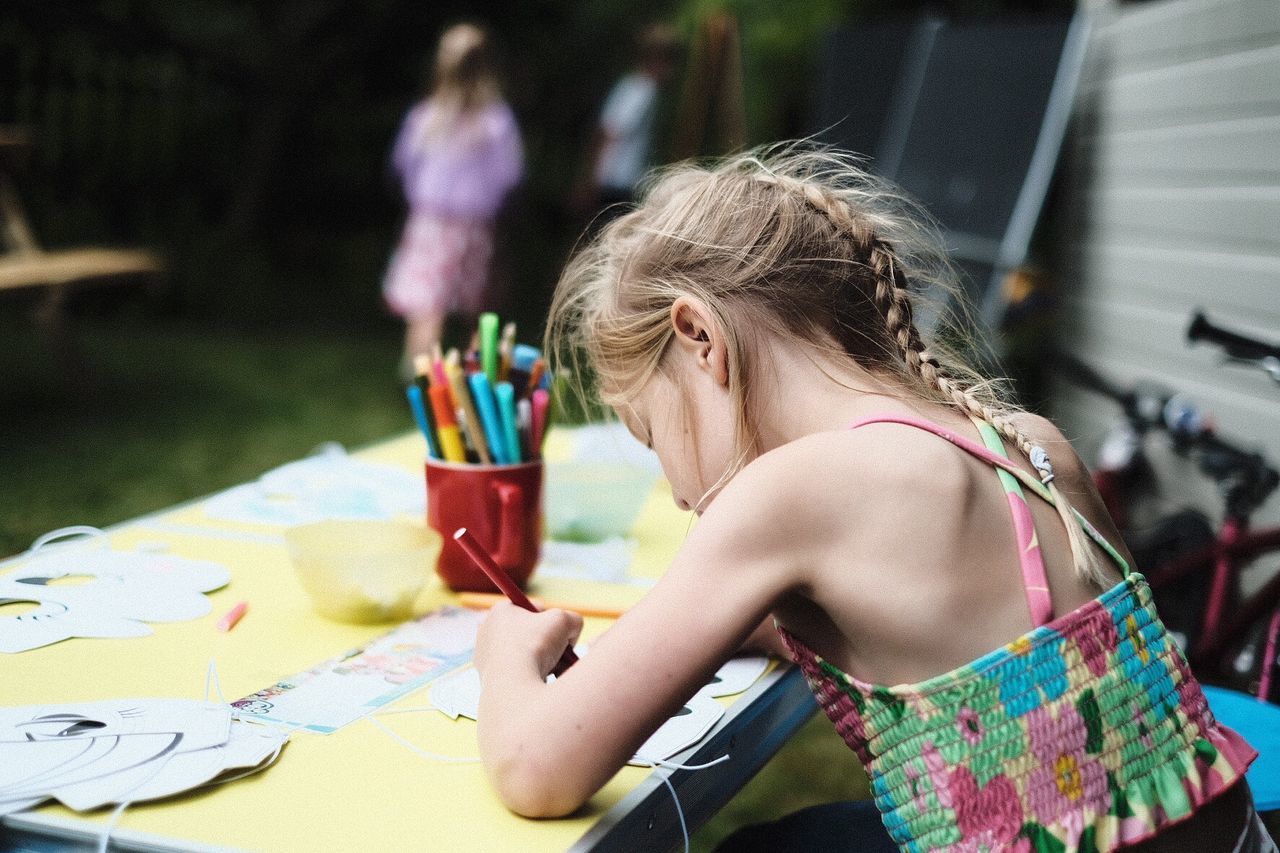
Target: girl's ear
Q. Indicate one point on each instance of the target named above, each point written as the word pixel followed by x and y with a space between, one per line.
pixel 700 338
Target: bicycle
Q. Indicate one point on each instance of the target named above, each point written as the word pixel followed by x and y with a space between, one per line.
pixel 1194 570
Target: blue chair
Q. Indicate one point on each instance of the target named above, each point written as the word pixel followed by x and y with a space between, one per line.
pixel 1259 724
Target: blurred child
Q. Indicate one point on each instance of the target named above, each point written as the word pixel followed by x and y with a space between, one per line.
pixel 622 145
pixel 458 154
pixel 938 564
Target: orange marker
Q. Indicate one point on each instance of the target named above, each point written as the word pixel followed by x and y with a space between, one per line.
pixel 447 424
pixel 232 616
pixel 535 375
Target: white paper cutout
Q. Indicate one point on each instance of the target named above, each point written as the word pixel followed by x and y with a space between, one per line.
pixel 90 754
pixel 125 590
pixel 458 695
pixel 328 485
pixel 736 675
pixel 689 725
pixel 345 688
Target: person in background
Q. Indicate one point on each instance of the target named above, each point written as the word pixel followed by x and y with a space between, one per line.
pixel 622 146
pixel 458 155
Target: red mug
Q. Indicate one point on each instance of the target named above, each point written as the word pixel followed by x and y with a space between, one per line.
pixel 502 507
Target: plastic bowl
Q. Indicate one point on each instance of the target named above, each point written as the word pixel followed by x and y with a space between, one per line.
pixel 363 571
pixel 593 501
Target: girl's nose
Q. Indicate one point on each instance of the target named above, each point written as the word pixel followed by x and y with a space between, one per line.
pixel 683 504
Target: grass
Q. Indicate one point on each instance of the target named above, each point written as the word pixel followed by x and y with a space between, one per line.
pixel 163 412
pixel 166 411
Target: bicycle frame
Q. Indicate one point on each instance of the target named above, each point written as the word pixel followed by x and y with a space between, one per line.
pixel 1235 545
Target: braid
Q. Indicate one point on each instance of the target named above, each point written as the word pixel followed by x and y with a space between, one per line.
pixel 893 299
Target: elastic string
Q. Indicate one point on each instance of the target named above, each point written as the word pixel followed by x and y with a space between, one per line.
pixel 666 780
pixel 414 748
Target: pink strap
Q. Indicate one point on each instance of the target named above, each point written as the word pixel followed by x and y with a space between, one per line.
pixel 1030 560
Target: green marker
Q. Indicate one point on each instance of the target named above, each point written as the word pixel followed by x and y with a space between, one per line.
pixel 489 345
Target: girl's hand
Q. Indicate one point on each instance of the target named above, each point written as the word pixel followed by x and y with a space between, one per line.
pixel 512 637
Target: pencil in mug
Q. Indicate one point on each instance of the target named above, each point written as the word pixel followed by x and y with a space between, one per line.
pixel 447 424
pixel 421 414
pixel 506 351
pixel 462 397
pixel 524 426
pixel 503 582
pixel 540 403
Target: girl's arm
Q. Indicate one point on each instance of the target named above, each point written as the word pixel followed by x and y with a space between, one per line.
pixel 549 747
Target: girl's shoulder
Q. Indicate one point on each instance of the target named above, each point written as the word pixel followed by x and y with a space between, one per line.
pixel 847 477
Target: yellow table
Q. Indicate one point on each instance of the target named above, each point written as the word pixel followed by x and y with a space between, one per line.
pixel 358 788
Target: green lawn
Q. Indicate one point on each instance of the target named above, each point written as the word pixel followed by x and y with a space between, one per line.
pixel 166 411
pixel 162 412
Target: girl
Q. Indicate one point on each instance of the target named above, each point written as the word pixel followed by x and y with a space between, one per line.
pixel 458 154
pixel 740 322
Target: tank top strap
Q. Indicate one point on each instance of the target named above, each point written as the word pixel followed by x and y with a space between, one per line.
pixel 1035 581
pixel 1031 578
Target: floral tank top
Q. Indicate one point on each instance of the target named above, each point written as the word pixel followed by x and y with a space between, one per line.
pixel 1087 733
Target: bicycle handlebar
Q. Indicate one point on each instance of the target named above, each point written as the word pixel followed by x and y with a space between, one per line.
pixel 1234 344
pixel 1243 475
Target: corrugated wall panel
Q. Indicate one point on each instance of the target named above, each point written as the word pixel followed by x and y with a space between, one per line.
pixel 1171 203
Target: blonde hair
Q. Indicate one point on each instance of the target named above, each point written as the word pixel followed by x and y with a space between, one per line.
pixel 464 78
pixel 800 242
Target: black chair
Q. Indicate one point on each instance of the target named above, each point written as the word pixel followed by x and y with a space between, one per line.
pixel 869 76
pixel 972 129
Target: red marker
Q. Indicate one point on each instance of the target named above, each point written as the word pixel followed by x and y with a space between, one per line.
pixel 503 582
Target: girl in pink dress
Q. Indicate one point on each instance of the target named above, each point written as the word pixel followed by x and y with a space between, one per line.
pixel 458 154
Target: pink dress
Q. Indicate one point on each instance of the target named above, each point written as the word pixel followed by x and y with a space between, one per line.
pixel 455 181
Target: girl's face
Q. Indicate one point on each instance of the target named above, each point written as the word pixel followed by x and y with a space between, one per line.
pixel 689 422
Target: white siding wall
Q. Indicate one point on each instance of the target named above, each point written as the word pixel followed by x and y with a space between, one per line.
pixel 1173 203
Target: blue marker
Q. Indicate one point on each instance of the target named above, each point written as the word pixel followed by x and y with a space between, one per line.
pixel 414 393
pixel 523 356
pixel 506 395
pixel 490 420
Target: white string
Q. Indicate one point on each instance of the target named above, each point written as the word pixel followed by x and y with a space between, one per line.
pixel 675 766
pixel 105 839
pixel 666 780
pixel 390 711
pixel 684 829
pixel 211 677
pixel 412 747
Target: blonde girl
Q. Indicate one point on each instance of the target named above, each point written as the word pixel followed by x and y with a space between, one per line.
pixel 458 155
pixel 936 562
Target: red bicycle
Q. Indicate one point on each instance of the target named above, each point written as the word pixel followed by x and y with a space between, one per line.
pixel 1194 570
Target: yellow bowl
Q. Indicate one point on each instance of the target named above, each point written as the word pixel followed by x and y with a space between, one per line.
pixel 363 571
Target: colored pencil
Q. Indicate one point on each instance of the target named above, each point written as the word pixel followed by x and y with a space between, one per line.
pixel 462 398
pixel 232 616
pixel 504 583
pixel 485 600
pixel 447 424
